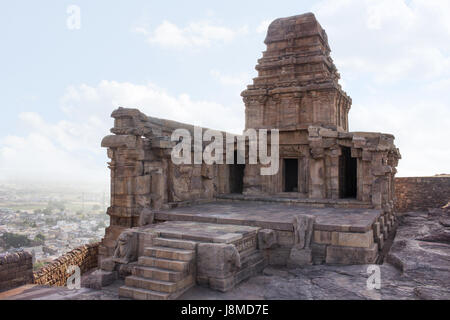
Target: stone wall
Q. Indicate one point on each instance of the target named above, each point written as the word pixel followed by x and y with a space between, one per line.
pixel 421 193
pixel 143 176
pixel 16 269
pixel 55 274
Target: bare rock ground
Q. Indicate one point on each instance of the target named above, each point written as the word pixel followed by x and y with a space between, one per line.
pixel 416 267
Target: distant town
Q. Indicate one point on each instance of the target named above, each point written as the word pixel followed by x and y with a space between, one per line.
pixel 48 221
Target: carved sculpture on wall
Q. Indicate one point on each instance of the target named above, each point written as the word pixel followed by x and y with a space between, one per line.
pixel 232 258
pixel 303 230
pixel 126 247
pixel 217 259
pixel 146 217
pixel 267 239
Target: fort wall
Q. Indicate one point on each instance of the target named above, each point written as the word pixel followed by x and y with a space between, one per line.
pixel 421 193
pixel 16 269
pixel 55 274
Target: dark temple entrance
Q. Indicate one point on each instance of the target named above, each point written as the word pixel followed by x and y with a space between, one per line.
pixel 290 174
pixel 347 174
pixel 236 176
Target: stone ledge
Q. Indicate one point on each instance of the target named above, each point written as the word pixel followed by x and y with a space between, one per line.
pixel 351 255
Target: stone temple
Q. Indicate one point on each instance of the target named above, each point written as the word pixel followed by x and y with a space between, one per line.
pixel 331 202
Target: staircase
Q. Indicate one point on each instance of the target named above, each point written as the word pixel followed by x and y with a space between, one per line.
pixel 165 271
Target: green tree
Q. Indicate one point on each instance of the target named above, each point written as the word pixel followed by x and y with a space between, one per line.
pixel 39 239
pixel 13 240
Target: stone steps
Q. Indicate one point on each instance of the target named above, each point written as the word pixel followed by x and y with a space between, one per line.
pixel 174 243
pixel 164 263
pixel 141 294
pixel 169 253
pixel 158 273
pixel 165 271
pixel 158 285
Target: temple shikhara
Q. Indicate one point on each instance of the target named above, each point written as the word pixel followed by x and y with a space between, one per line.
pixel 331 201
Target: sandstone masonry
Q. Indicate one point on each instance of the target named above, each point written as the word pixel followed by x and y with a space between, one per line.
pixel 16 269
pixel 421 193
pixel 55 274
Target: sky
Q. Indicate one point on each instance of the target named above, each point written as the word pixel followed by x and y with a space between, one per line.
pixel 66 65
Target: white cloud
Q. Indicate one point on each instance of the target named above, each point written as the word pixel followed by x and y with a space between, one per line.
pixel 195 34
pixel 388 40
pixel 70 149
pixel 395 59
pixel 420 130
pixel 98 101
pixel 240 80
pixel 37 157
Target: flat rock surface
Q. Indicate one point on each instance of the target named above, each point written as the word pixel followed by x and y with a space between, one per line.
pixel 313 283
pixel 421 250
pixel 273 215
pixel 202 231
pixel 417 267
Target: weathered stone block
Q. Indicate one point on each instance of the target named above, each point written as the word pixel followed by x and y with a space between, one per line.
pixel 376 229
pixel 348 239
pixel 351 255
pixel 299 257
pixel 267 239
pixel 277 256
pixel 119 141
pixel 143 184
pixel 217 260
pixel 319 252
pixel 98 279
pixel 285 238
pixel 322 237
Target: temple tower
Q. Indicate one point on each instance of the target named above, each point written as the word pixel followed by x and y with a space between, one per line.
pixel 297 84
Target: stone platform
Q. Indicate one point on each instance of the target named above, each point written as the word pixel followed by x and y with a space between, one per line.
pixel 340 235
pixel 202 232
pixel 219 243
pixel 273 215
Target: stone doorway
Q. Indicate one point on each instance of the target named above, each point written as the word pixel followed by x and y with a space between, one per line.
pixel 347 174
pixel 290 175
pixel 236 176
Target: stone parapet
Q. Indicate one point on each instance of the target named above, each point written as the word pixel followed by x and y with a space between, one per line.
pixel 16 269
pixel 421 193
pixel 55 274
